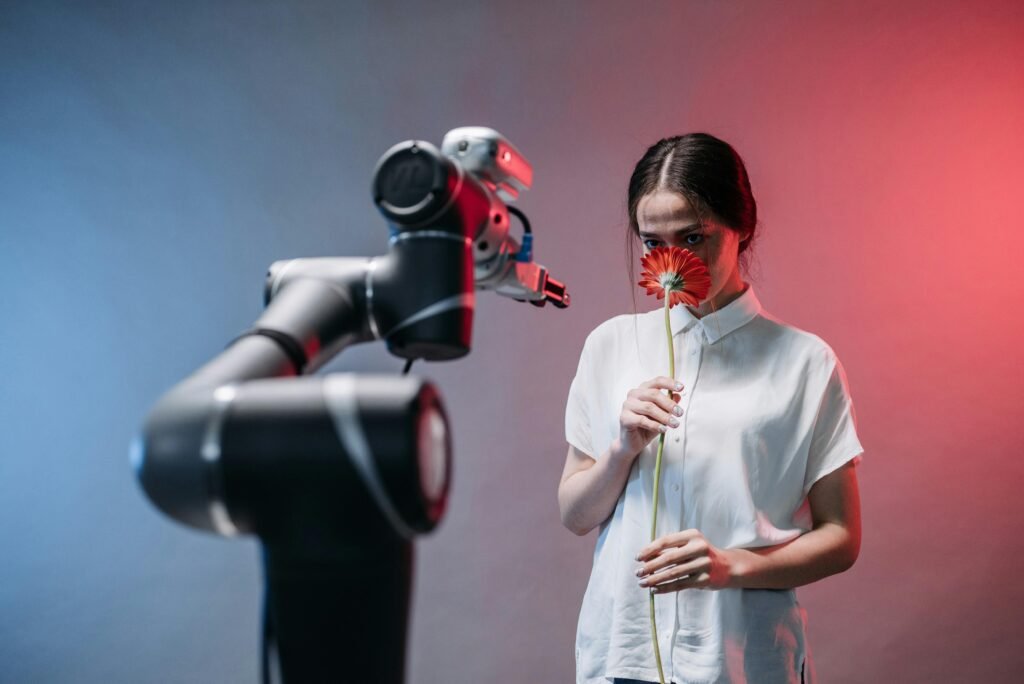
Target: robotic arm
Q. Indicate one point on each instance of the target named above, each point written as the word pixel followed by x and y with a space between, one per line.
pixel 337 474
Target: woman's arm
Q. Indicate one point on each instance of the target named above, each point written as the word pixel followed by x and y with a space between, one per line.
pixel 686 560
pixel 831 547
pixel 590 489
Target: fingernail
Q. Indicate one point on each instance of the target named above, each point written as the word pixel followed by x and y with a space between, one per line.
pixel 673 422
pixel 679 385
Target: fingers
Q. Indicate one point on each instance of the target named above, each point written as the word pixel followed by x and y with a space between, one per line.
pixel 648 409
pixel 695 581
pixel 692 551
pixel 666 402
pixel 678 571
pixel 669 541
pixel 680 560
pixel 651 391
pixel 630 420
pixel 661 382
pixel 651 410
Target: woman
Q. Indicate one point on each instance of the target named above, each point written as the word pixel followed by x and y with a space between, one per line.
pixel 758 483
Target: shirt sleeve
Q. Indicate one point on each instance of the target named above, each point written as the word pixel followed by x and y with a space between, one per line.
pixel 834 438
pixel 578 408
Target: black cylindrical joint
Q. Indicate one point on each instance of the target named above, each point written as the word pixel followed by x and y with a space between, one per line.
pixel 412 182
pixel 423 291
pixel 423 299
pixel 335 460
pixel 415 186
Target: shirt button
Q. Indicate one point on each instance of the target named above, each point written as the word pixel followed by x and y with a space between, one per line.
pixel 677 439
pixel 675 488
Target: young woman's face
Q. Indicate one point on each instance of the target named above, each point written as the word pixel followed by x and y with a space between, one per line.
pixel 666 219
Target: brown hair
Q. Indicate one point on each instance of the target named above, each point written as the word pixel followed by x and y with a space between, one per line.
pixel 709 173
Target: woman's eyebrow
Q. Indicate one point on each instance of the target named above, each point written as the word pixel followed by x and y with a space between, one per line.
pixel 677 231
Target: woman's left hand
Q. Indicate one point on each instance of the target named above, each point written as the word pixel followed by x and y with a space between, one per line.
pixel 684 560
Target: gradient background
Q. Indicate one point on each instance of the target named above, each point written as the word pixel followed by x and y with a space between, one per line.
pixel 156 157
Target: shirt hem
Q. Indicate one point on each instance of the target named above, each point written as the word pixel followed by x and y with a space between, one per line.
pixel 579 445
pixel 650 675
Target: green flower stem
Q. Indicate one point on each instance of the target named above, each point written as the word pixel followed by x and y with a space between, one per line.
pixel 657 478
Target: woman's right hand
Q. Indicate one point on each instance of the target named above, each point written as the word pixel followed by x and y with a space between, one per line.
pixel 646 413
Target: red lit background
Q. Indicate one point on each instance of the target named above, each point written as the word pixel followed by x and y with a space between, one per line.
pixel 154 159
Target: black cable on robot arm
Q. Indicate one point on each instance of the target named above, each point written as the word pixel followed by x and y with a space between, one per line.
pixel 522 217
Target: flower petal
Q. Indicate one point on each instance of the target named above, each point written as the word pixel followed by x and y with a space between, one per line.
pixel 689 280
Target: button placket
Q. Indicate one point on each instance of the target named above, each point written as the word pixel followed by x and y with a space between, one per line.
pixel 690 362
pixel 695 349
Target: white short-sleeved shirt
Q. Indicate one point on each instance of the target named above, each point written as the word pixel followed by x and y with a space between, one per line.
pixel 767 412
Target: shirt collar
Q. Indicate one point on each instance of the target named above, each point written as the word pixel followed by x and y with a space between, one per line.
pixel 730 317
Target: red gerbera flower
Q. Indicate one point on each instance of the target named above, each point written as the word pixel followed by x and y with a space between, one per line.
pixel 677 271
pixel 685 278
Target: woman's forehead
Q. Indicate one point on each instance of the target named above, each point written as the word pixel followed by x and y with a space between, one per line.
pixel 665 208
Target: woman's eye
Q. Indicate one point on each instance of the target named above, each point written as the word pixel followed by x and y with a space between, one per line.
pixel 699 236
